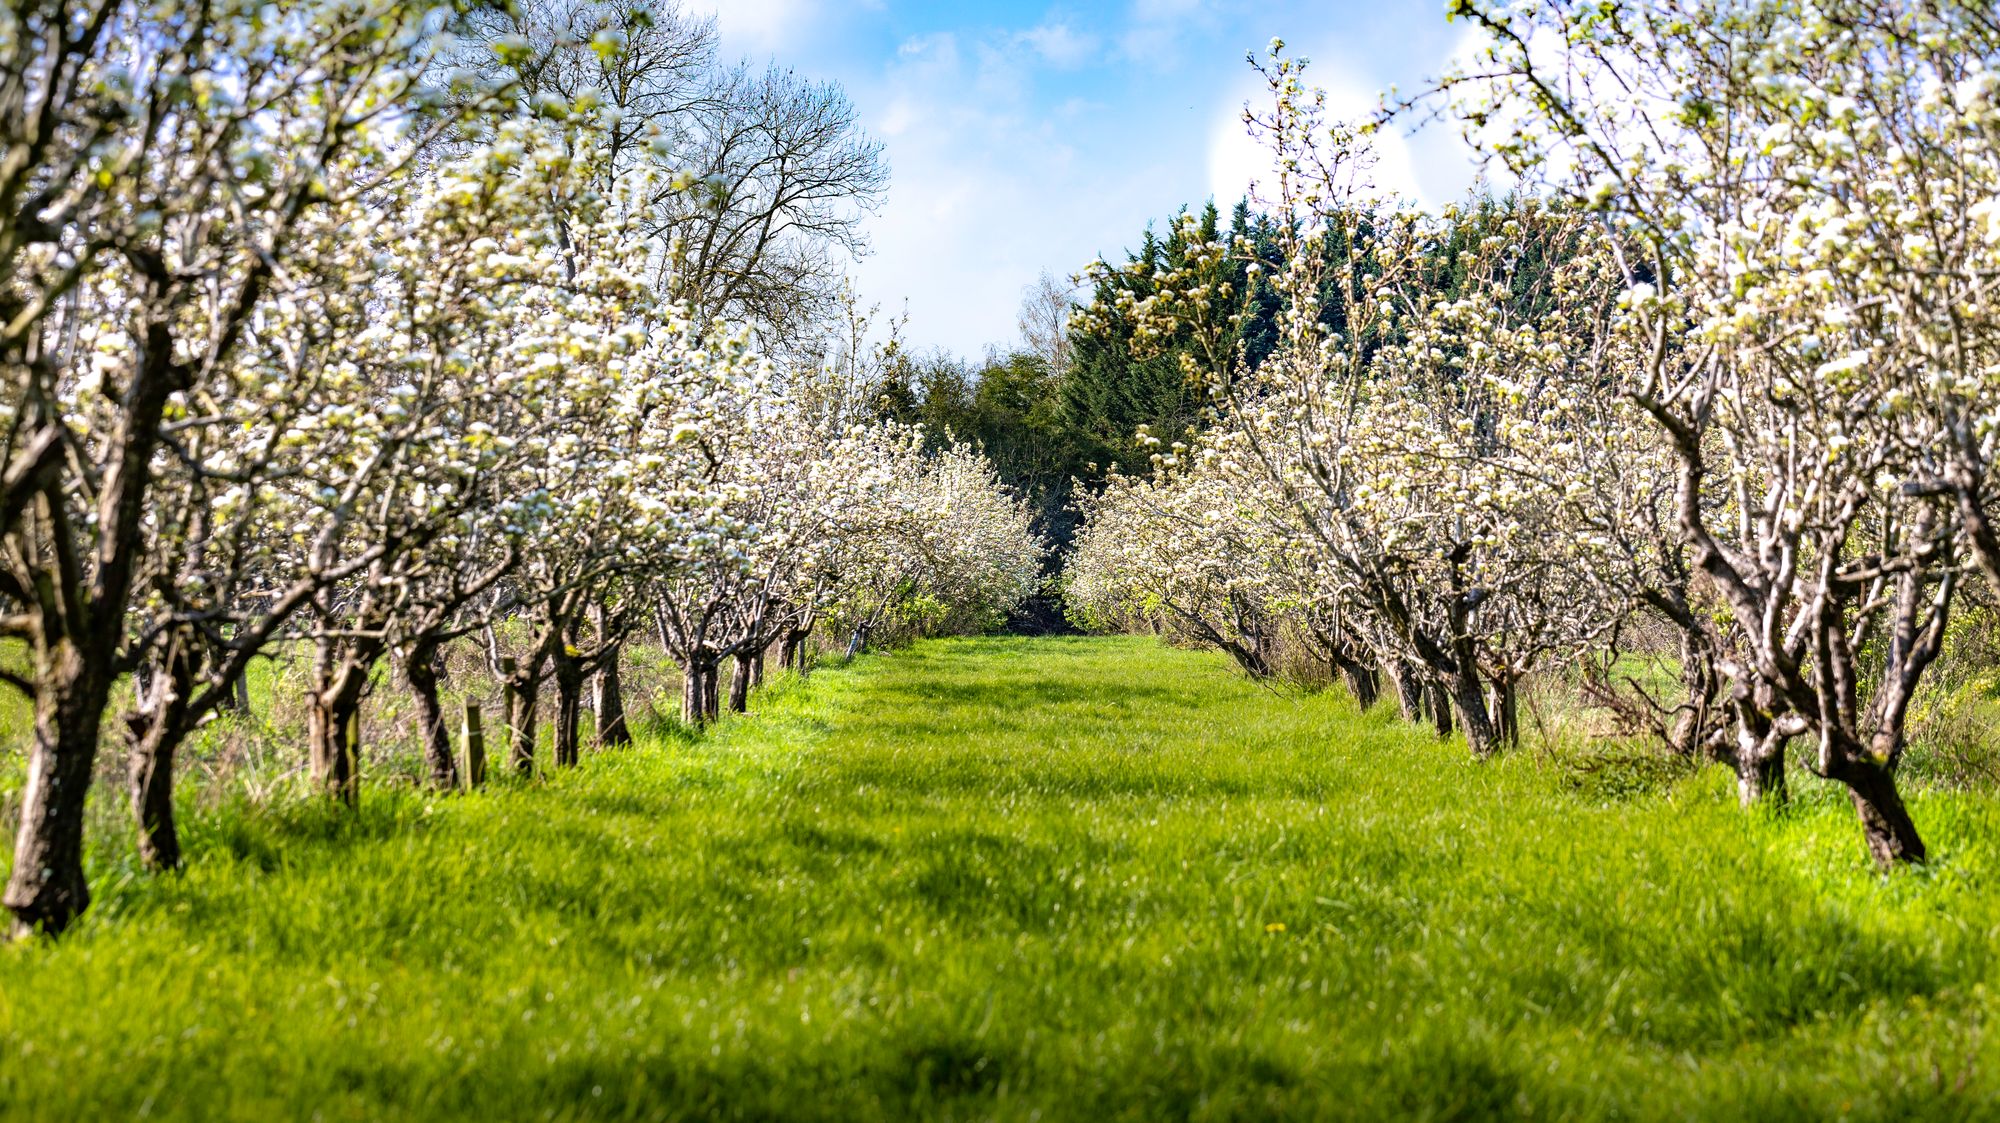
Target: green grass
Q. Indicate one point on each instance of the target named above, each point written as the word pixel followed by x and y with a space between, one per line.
pixel 1073 879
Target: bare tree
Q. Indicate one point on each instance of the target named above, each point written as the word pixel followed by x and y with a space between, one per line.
pixel 784 177
pixel 1044 320
pixel 769 173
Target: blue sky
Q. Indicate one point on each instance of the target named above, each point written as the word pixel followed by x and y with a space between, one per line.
pixel 1024 135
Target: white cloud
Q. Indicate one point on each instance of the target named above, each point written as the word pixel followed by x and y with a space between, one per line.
pixel 1059 44
pixel 992 183
pixel 1156 30
pixel 1432 165
pixel 1037 147
pixel 763 25
pixel 1236 160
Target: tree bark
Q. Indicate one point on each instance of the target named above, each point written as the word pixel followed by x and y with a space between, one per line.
pixel 333 732
pixel 1409 690
pixel 691 695
pixel 1759 755
pixel 793 654
pixel 1885 823
pixel 609 703
pixel 1469 700
pixel 757 669
pixel 333 737
pixel 1701 682
pixel 46 889
pixel 522 698
pixel 156 728
pixel 739 684
pixel 698 690
pixel 1760 778
pixel 1359 677
pixel 569 708
pixel 1505 710
pixel 421 670
pixel 1437 704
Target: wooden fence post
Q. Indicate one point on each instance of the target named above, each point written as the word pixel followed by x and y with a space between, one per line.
pixel 475 747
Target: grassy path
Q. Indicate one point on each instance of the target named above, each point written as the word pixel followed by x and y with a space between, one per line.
pixel 1086 878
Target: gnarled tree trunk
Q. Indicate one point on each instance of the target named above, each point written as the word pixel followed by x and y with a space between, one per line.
pixel 1758 757
pixel 793 653
pixel 333 731
pixel 155 728
pixel 1886 825
pixel 422 669
pixel 1468 699
pixel 1359 677
pixel 521 701
pixel 1437 705
pixel 47 889
pixel 333 737
pixel 698 682
pixel 711 691
pixel 1410 693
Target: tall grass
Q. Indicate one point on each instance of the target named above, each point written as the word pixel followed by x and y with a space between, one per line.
pixel 1013 879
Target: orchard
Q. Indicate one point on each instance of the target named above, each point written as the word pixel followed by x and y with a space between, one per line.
pixel 492 615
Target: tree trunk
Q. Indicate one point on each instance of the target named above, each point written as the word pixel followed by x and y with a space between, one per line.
pixel 155 729
pixel 609 703
pixel 152 791
pixel 1504 699
pixel 1409 690
pixel 569 708
pixel 1759 756
pixel 1437 704
pixel 794 655
pixel 422 668
pixel 739 685
pixel 1470 703
pixel 698 691
pixel 1760 778
pixel 757 669
pixel 1885 822
pixel 1701 682
pixel 1359 677
pixel 46 889
pixel 711 692
pixel 333 737
pixel 521 699
pixel 333 732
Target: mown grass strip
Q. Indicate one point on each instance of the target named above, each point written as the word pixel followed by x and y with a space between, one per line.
pixel 991 878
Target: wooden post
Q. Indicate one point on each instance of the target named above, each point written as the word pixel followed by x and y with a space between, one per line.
pixel 475 747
